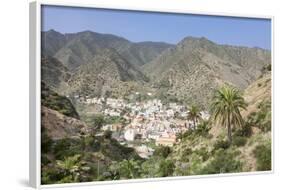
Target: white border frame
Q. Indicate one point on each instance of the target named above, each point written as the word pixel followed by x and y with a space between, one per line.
pixel 35 92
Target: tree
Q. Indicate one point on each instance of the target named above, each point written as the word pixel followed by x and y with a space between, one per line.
pixel 166 168
pixel 107 134
pixel 203 128
pixel 70 167
pixel 226 106
pixel 194 115
pixel 99 121
pixel 129 169
pixel 163 151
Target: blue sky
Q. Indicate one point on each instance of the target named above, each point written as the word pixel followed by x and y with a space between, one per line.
pixel 149 26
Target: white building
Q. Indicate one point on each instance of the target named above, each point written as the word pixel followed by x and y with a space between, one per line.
pixel 111 113
pixel 130 134
pixel 205 115
pixel 170 113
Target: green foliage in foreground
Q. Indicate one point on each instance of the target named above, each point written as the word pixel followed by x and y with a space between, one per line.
pixel 245 131
pixel 162 151
pixel 128 169
pixel 239 141
pixel 87 158
pixel 262 118
pixel 263 156
pixel 102 158
pixel 223 162
pixel 202 130
pixel 221 144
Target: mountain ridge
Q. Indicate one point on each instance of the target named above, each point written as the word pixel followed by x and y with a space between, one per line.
pixel 196 66
pixel 188 71
pixel 91 42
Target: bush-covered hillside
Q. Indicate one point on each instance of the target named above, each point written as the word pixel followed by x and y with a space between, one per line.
pixel 54 101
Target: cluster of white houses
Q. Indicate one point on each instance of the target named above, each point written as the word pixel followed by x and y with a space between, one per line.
pixel 147 121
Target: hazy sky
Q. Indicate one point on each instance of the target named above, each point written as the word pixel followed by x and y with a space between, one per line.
pixel 147 26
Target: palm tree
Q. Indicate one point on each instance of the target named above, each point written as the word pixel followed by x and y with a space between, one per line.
pixel 130 168
pixel 226 106
pixel 194 115
pixel 70 166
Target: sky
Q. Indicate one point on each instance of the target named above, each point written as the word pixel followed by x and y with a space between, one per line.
pixel 138 26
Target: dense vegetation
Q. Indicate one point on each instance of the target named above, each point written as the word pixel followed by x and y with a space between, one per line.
pixel 87 158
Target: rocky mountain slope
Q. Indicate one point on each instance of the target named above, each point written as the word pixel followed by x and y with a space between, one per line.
pixel 196 66
pixel 54 101
pixel 106 74
pixel 80 48
pixel 51 42
pixel 60 126
pixel 54 73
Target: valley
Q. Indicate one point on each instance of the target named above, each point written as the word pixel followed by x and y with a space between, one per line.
pixel 115 109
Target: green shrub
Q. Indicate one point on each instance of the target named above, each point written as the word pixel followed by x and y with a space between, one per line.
pixel 221 144
pixel 148 168
pixel 263 156
pixel 267 67
pixel 67 147
pixel 166 168
pixel 107 134
pixel 262 118
pixel 51 175
pixel 245 131
pixel 89 140
pixel 202 129
pixel 98 121
pixel 128 169
pixel 44 159
pixel 185 154
pixel 239 141
pixel 203 153
pixel 162 151
pixel 187 151
pixel 164 83
pixel 46 141
pixel 223 162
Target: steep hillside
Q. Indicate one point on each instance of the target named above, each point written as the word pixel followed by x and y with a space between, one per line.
pixel 196 66
pixel 51 42
pixel 54 73
pixel 142 53
pixel 83 47
pixel 106 74
pixel 60 126
pixel 80 48
pixel 258 92
pixel 54 101
pixel 206 150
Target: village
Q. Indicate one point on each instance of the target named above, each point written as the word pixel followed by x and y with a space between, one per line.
pixel 147 122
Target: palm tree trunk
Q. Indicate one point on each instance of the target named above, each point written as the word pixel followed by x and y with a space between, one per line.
pixel 229 129
pixel 98 168
pixel 193 123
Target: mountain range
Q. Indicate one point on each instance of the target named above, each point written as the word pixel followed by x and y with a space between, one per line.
pixel 95 64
